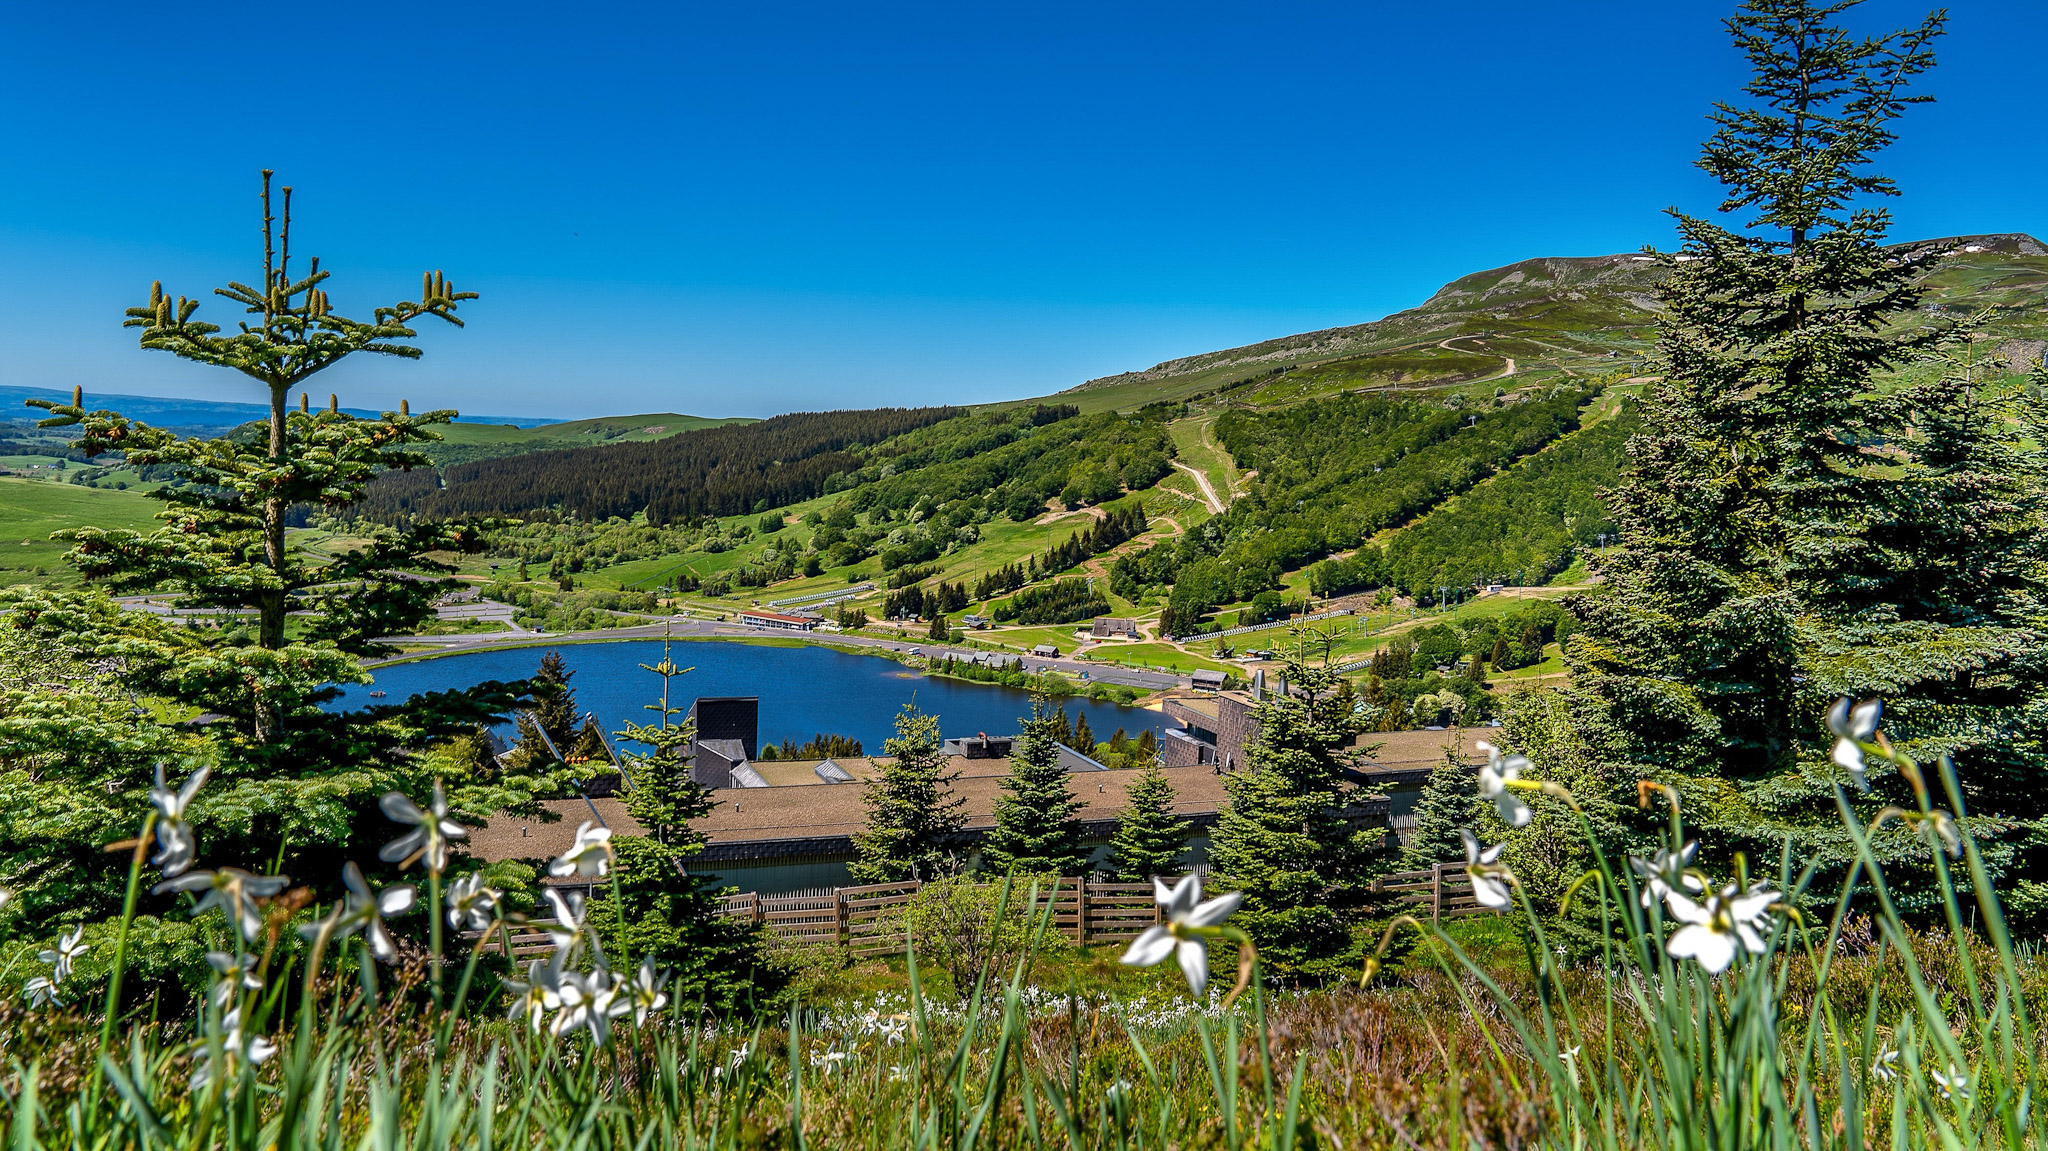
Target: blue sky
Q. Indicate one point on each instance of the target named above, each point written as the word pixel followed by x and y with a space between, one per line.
pixel 741 209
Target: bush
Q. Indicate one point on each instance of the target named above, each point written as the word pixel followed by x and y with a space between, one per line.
pixel 970 928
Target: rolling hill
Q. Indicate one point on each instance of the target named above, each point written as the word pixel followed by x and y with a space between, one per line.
pixel 1537 320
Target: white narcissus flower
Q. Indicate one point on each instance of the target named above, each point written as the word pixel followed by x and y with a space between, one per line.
pixel 232 890
pixel 568 924
pixel 235 1048
pixel 42 992
pixel 431 829
pixel 175 844
pixel 365 910
pixel 1954 1085
pixel 1664 872
pixel 67 952
pixel 643 992
pixel 471 903
pixel 1714 929
pixel 1182 935
pixel 1943 825
pixel 1494 779
pixel 538 995
pixel 1854 724
pixel 1886 1065
pixel 590 857
pixel 236 975
pixel 1483 869
pixel 586 1001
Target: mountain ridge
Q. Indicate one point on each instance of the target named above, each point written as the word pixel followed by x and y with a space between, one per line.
pixel 1597 306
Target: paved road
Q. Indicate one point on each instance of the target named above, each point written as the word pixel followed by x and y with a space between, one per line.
pixel 1089 670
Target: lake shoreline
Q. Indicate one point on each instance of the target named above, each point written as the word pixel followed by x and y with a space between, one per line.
pixel 801 692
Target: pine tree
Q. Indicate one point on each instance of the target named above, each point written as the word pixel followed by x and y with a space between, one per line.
pixel 1795 527
pixel 670 912
pixel 303 778
pixel 554 701
pixel 1083 737
pixel 914 819
pixel 1449 803
pixel 937 632
pixel 1284 838
pixel 1035 832
pixel 224 544
pixel 1150 839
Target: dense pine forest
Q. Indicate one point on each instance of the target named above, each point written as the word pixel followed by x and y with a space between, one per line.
pixel 713 472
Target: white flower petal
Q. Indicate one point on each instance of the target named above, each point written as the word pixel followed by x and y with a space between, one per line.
pixel 1215 911
pixel 1490 891
pixel 1194 963
pixel 1149 948
pixel 1703 945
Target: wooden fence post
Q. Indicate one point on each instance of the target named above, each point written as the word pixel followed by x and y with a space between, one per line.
pixel 840 929
pixel 1081 910
pixel 1436 893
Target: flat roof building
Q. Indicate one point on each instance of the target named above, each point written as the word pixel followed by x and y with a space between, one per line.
pixel 775 619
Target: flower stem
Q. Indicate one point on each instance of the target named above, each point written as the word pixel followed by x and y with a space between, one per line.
pixel 121 940
pixel 434 930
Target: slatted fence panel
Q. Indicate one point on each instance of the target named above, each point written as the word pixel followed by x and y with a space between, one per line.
pixel 874 923
pixel 1119 911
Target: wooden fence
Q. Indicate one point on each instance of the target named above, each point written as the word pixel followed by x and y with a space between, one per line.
pixel 867 920
pixel 1440 892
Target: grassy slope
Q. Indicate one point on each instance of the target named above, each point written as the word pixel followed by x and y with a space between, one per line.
pixel 1553 316
pixel 464 442
pixel 30 510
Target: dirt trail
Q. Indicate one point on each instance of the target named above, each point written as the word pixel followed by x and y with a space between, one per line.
pixel 1208 489
pixel 1445 344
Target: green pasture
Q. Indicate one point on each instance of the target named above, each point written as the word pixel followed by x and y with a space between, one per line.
pixel 30 510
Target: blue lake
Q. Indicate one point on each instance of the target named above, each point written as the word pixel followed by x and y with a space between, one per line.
pixel 803 690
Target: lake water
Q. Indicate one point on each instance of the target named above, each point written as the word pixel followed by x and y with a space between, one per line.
pixel 803 690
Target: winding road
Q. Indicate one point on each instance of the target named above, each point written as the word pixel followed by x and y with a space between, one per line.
pixel 1202 481
pixel 1445 344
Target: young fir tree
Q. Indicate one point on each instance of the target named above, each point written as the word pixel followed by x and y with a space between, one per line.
pixel 223 543
pixel 285 770
pixel 1795 527
pixel 1035 832
pixel 937 632
pixel 669 911
pixel 914 819
pixel 1150 839
pixel 1449 803
pixel 1285 838
pixel 1083 737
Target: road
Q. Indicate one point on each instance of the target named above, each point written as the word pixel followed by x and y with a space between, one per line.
pixel 1202 481
pixel 686 626
pixel 1445 344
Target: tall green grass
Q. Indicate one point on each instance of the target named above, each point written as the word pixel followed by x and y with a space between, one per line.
pixel 1848 1028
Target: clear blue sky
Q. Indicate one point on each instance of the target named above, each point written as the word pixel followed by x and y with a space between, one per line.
pixel 750 208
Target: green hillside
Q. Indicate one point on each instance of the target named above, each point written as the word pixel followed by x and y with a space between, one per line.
pixel 32 509
pixel 461 443
pixel 1534 322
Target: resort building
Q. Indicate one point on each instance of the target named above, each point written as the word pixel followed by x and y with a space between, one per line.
pixel 757 618
pixel 1112 627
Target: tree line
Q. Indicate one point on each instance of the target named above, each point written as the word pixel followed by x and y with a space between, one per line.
pixel 725 471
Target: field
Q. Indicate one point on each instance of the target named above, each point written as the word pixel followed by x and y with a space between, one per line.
pixel 465 441
pixel 30 510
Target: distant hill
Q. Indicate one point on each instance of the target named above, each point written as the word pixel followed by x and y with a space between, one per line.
pixel 188 415
pixel 1542 318
pixel 470 440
